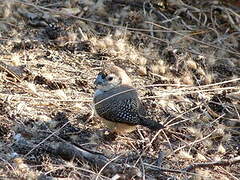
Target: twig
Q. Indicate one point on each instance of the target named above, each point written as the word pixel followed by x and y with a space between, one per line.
pixel 197 141
pixel 180 115
pixel 102 169
pixel 194 39
pixel 9 70
pixel 160 170
pixel 229 162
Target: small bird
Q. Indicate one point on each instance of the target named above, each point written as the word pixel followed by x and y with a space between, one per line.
pixel 116 102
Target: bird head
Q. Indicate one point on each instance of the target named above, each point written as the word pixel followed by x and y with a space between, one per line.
pixel 112 76
pixel 105 80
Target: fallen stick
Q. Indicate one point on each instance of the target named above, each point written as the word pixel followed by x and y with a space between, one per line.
pixel 69 152
pixel 212 164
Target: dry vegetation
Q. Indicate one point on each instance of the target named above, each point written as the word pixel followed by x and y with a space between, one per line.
pixel 183 56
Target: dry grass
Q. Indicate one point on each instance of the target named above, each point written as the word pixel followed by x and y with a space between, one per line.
pixel 183 58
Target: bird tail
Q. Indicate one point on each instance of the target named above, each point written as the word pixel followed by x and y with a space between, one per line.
pixel 151 124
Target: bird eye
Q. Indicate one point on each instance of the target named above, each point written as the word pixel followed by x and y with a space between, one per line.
pixel 110 78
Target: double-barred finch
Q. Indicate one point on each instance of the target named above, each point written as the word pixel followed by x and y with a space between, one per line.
pixel 116 102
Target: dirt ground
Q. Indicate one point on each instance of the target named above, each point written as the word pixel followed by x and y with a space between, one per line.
pixel 183 57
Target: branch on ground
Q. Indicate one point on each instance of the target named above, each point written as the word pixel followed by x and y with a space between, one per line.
pixel 213 164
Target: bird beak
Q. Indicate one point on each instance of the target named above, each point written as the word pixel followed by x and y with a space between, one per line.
pixel 100 80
